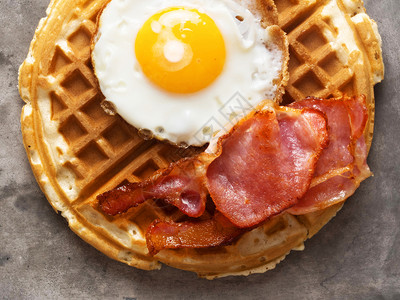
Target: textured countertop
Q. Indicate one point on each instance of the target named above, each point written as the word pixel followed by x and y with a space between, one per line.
pixel 355 256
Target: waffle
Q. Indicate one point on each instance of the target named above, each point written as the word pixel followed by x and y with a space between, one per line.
pixel 335 49
pixel 77 150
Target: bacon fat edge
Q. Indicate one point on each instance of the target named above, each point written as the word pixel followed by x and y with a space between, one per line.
pixel 240 181
pixel 266 164
pixel 181 185
pixel 342 165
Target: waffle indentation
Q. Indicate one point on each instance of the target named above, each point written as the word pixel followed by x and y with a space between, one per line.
pixel 93 109
pixel 72 130
pixel 117 135
pixel 92 155
pixel 59 61
pixel 287 99
pixel 348 88
pixel 144 214
pixel 328 21
pixel 294 61
pixel 76 84
pixel 80 40
pixel 331 64
pixel 312 39
pixel 73 167
pixel 57 105
pixel 148 168
pixel 309 84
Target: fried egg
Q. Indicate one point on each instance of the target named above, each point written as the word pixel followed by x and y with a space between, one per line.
pixel 183 69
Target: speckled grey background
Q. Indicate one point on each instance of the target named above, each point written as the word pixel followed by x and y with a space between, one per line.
pixel 356 256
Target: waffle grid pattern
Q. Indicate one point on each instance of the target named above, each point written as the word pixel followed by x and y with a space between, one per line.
pixel 108 152
pixel 100 142
pixel 103 142
pixel 315 69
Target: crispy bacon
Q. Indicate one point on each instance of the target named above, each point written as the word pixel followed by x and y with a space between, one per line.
pixel 216 231
pixel 266 164
pixel 342 165
pixel 181 185
pixel 263 166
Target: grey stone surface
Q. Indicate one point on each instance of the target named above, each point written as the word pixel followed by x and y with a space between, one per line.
pixel 356 256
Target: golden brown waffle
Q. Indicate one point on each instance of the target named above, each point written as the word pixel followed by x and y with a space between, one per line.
pixel 335 49
pixel 78 151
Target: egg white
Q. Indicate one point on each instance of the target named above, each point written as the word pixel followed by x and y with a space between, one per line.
pixel 246 79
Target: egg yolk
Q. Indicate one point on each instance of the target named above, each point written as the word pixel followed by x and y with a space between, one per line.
pixel 180 50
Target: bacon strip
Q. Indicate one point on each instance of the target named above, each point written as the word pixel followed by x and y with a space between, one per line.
pixel 216 231
pixel 180 185
pixel 342 165
pixel 266 164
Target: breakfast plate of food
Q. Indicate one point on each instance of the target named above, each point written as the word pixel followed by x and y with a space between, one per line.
pixel 213 136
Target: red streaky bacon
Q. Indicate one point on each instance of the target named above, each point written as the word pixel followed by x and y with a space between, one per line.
pixel 299 159
pixel 342 165
pixel 216 231
pixel 181 185
pixel 266 164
